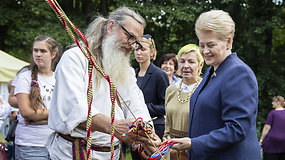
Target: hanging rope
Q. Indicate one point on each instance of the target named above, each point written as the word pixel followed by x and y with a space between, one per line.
pixel 113 90
pixel 87 52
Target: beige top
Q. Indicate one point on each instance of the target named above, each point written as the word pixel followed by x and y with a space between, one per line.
pixel 177 113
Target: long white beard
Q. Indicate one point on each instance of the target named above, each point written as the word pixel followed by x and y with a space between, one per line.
pixel 116 63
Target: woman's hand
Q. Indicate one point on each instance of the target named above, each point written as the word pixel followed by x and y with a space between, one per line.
pixel 260 142
pixel 181 143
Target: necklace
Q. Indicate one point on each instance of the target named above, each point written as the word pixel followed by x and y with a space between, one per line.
pixel 189 94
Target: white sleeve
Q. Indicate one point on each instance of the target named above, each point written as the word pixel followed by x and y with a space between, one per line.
pixel 69 105
pixel 23 83
pixel 136 101
pixel 14 82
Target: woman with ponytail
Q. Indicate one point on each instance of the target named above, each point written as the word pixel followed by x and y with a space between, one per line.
pixel 34 90
pixel 273 131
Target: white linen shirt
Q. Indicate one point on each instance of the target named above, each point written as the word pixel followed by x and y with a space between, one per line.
pixel 69 105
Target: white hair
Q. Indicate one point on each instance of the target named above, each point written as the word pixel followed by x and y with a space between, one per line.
pixel 115 62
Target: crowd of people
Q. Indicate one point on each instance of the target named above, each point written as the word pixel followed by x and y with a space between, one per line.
pixel 206 118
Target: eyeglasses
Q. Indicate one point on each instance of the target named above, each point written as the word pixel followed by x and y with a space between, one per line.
pixel 131 39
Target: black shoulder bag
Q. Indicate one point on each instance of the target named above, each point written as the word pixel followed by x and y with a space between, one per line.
pixel 11 132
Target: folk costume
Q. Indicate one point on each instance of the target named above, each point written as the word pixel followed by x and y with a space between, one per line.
pixel 69 107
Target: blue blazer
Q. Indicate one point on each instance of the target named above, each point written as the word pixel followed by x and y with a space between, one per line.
pixel 153 86
pixel 222 122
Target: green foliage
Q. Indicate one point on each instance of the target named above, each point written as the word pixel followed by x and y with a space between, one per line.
pixel 27 20
pixel 259 38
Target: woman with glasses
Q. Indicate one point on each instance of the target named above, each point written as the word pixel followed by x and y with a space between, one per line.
pixel 152 81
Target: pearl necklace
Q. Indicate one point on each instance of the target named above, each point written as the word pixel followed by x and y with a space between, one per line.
pixel 189 94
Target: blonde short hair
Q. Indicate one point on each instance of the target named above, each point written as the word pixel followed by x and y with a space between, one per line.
pixel 191 48
pixel 216 21
pixel 279 99
pixel 151 43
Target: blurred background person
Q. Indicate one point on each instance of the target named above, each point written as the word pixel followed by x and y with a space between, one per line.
pixel 5 110
pixel 273 134
pixel 33 91
pixel 178 95
pixel 168 63
pixel 10 146
pixel 223 109
pixel 153 83
pixel 14 109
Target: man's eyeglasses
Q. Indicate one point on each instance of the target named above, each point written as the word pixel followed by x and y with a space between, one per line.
pixel 131 39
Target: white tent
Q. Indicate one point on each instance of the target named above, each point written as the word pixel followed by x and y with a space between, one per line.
pixel 9 66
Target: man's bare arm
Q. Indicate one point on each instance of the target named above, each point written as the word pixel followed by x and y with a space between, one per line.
pixel 102 123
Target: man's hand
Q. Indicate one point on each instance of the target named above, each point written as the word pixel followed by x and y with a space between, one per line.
pixel 150 146
pixel 121 127
pixel 181 143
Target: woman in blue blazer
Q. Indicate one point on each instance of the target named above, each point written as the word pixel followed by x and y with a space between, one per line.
pixel 153 83
pixel 223 109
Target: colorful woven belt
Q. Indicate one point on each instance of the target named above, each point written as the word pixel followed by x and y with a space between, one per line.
pixel 79 147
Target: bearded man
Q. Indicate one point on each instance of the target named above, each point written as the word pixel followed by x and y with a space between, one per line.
pixel 111 41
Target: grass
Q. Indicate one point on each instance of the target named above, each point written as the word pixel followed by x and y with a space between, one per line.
pixel 1 138
pixel 128 154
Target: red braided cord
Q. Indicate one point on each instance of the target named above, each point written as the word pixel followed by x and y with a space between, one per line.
pixel 113 90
